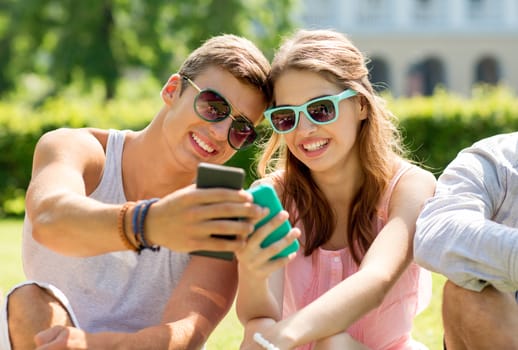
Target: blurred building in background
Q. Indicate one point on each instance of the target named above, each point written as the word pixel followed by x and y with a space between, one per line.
pixel 416 45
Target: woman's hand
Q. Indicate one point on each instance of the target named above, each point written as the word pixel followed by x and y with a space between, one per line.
pixel 254 261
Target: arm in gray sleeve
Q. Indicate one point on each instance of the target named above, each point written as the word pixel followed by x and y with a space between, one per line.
pixel 468 230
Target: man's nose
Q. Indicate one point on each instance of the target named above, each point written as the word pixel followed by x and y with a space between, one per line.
pixel 219 130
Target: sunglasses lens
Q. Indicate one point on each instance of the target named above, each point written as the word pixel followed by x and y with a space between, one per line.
pixel 241 133
pixel 283 119
pixel 212 106
pixel 322 111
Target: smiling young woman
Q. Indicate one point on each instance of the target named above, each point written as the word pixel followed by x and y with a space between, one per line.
pixel 336 160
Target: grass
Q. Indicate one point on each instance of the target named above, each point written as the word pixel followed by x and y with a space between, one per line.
pixel 10 257
pixel 427 325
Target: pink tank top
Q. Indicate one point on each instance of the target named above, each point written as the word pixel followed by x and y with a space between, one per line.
pixel 387 327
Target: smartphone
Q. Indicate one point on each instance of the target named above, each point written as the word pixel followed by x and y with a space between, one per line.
pixel 215 175
pixel 265 196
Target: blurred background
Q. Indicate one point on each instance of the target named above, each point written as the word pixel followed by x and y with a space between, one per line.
pixel 417 45
pixel 50 44
pixel 447 67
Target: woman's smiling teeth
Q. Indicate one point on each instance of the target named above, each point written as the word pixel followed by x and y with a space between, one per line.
pixel 202 144
pixel 315 145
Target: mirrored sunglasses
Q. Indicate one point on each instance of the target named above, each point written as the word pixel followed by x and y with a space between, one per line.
pixel 321 110
pixel 211 106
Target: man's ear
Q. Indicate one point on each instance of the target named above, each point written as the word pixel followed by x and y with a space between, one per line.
pixel 169 88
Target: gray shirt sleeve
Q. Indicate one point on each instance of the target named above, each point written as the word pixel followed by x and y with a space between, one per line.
pixel 468 230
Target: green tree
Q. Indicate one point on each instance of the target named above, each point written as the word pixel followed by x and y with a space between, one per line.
pixel 6 35
pixel 97 40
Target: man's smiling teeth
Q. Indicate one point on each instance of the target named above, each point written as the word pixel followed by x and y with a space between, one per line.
pixel 315 145
pixel 202 144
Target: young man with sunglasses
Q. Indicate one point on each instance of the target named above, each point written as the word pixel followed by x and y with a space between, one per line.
pixel 112 215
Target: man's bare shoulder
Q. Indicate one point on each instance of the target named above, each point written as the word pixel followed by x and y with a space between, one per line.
pixel 84 138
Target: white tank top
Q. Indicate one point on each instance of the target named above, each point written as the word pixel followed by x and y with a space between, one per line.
pixel 119 291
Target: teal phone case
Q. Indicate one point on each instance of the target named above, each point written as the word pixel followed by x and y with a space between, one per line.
pixel 265 196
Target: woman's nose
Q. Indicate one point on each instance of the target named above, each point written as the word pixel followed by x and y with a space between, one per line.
pixel 305 124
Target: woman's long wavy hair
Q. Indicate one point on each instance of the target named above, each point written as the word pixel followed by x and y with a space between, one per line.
pixel 334 57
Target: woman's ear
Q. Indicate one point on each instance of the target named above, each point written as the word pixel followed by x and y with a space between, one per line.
pixel 364 107
pixel 169 88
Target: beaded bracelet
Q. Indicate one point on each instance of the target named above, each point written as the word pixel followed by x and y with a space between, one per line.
pixel 121 226
pixel 259 339
pixel 139 217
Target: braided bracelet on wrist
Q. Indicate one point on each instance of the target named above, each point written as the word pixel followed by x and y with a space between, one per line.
pixel 121 226
pixel 139 217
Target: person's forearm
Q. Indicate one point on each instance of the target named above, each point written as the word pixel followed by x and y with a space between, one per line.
pixel 259 297
pixel 175 336
pixel 256 301
pixel 75 225
pixel 471 251
pixel 459 233
pixel 330 314
pixel 337 309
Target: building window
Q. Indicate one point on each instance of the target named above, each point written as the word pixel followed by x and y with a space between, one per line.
pixel 430 12
pixel 378 74
pixel 424 77
pixel 317 14
pixel 487 71
pixel 375 12
pixel 485 11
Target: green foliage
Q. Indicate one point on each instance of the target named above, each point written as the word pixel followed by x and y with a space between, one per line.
pixel 435 128
pixel 100 40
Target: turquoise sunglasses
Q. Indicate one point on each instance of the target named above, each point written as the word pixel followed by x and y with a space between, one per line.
pixel 321 110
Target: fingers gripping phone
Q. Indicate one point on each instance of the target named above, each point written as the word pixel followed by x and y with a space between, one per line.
pixel 265 196
pixel 214 175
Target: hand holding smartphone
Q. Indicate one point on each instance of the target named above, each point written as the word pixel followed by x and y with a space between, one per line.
pixel 265 196
pixel 214 175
